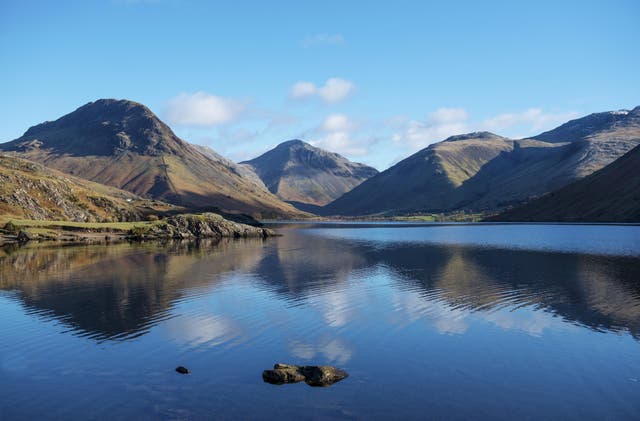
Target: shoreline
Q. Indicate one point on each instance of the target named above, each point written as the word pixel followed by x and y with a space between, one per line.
pixel 183 226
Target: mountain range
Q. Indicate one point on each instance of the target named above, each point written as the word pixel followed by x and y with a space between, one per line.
pixel 306 176
pixel 484 172
pixel 611 194
pixel 122 144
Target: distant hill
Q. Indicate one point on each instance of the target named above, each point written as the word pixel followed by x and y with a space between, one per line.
pixel 480 172
pixel 32 191
pixel 123 144
pixel 426 180
pixel 611 194
pixel 300 173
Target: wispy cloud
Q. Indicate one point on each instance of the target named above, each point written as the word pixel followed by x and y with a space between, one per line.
pixel 445 122
pixel 322 39
pixel 535 118
pixel 202 109
pixel 334 90
pixel 337 133
pixel 438 125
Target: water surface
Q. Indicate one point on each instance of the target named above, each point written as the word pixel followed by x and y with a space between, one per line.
pixel 431 321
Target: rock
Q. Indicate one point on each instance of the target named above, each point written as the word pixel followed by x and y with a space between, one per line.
pixel 206 225
pixel 283 373
pixel 24 236
pixel 322 376
pixel 183 370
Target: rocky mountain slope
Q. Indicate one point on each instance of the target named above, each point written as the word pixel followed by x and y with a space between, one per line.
pixel 32 191
pixel 302 174
pixel 123 144
pixel 486 172
pixel 424 181
pixel 611 194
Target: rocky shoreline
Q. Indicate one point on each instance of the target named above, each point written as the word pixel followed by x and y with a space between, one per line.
pixel 183 227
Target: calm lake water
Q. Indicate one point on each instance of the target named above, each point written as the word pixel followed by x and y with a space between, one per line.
pixel 431 321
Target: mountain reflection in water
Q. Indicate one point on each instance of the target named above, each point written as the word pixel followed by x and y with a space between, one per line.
pixel 444 322
pixel 120 291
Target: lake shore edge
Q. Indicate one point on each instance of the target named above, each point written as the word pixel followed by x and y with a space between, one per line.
pixel 183 226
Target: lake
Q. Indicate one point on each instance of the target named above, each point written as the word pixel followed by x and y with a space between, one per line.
pixel 432 321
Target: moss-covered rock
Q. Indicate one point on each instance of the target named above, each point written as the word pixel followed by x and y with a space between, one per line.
pixel 207 225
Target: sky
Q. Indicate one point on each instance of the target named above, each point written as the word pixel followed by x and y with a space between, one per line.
pixel 372 80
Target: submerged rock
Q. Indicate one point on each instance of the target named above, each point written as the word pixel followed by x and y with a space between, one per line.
pixel 313 375
pixel 183 370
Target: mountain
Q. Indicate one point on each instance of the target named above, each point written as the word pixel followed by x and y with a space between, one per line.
pixel 424 181
pixel 611 194
pixel 305 175
pixel 123 144
pixel 482 171
pixel 32 191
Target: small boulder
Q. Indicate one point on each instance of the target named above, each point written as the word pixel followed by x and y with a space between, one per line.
pixel 312 375
pixel 183 370
pixel 24 236
pixel 282 375
pixel 323 375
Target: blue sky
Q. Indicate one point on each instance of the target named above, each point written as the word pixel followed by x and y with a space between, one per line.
pixel 375 81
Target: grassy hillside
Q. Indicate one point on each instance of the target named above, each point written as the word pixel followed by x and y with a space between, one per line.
pixel 483 172
pixel 123 144
pixel 424 182
pixel 32 191
pixel 611 194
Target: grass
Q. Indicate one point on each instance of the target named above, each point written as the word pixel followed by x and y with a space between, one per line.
pixel 452 217
pixel 75 226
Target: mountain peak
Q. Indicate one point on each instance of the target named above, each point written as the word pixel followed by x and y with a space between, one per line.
pixel 293 143
pixel 103 127
pixel 122 143
pixel 473 135
pixel 299 172
pixel 593 125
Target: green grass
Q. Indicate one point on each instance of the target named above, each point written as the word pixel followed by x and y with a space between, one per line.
pixel 452 217
pixel 99 226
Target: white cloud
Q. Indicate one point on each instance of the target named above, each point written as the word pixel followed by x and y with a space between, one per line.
pixel 202 109
pixel 302 90
pixel 439 125
pixel 445 122
pixel 448 116
pixel 535 119
pixel 334 90
pixel 336 134
pixel 322 39
pixel 337 122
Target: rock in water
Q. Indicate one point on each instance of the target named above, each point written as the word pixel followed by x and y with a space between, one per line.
pixel 183 370
pixel 24 236
pixel 312 375
pixel 323 375
pixel 283 373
